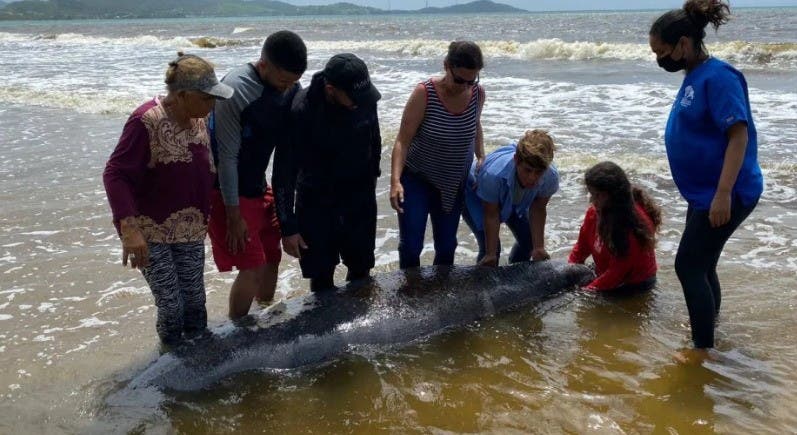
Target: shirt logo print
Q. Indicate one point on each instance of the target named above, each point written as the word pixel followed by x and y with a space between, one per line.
pixel 689 96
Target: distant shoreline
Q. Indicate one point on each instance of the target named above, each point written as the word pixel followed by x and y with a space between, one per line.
pixel 98 9
pixel 378 13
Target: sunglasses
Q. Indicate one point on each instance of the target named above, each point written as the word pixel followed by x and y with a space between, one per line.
pixel 460 81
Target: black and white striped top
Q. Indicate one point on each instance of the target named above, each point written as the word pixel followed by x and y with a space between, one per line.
pixel 442 150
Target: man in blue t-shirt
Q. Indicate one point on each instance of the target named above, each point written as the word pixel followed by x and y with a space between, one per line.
pixel 513 186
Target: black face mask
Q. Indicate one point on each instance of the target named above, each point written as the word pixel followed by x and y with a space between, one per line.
pixel 671 65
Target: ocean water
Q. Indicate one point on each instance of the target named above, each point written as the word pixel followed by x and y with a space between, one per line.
pixel 75 325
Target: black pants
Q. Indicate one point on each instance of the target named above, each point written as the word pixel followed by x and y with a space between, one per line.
pixel 696 266
pixel 336 228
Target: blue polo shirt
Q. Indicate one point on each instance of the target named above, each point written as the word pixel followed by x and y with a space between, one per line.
pixel 495 182
pixel 712 98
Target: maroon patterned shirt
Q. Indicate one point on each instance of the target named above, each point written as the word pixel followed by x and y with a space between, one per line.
pixel 161 174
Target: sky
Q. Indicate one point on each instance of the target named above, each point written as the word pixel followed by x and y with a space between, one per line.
pixel 541 5
pixel 547 5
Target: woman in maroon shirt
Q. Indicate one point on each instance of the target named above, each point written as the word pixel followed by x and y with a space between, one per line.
pixel 619 231
pixel 158 182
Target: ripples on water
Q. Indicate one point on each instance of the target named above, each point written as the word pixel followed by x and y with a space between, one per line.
pixel 74 325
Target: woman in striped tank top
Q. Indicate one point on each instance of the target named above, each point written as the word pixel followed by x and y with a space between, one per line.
pixel 440 133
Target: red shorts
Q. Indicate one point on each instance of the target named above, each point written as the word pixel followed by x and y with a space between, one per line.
pixel 263 246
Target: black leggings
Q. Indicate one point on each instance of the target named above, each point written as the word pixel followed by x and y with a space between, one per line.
pixel 696 266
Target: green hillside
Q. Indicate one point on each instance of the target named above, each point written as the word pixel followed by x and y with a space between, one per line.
pixel 108 9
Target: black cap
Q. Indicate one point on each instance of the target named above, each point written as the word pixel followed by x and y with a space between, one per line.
pixel 349 73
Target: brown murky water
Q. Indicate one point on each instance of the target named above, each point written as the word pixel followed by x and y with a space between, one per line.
pixel 77 326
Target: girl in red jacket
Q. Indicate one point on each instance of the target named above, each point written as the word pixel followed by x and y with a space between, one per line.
pixel 619 231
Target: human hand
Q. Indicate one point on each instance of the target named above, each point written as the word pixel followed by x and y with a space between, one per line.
pixel 237 233
pixel 397 196
pixel 720 212
pixel 490 260
pixel 134 245
pixel 479 163
pixel 293 245
pixel 540 254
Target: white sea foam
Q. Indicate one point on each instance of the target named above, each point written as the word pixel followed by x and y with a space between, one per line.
pixel 10 259
pixel 13 37
pixel 92 101
pixel 780 55
pixel 141 41
pixel 746 53
pixel 120 290
pixel 92 322
pixel 40 233
pixel 46 307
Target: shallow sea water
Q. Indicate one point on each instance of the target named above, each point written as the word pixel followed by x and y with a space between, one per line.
pixel 75 326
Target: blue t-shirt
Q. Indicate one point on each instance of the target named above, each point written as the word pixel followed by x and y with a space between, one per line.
pixel 495 183
pixel 713 97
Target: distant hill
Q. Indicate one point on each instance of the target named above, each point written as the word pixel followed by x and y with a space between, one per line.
pixel 109 9
pixel 476 7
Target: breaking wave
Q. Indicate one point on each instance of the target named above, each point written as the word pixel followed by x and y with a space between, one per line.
pixel 750 54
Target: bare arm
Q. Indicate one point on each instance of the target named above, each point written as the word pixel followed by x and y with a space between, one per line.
pixel 492 223
pixel 479 132
pixel 539 213
pixel 720 212
pixel 413 115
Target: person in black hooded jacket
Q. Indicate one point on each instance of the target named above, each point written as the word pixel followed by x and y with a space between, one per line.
pixel 325 178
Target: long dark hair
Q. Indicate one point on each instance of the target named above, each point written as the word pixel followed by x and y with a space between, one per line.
pixel 619 215
pixel 691 21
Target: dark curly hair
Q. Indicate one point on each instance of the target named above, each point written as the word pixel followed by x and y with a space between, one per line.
pixel 619 215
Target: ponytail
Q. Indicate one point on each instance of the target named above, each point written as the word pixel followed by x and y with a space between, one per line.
pixel 691 21
pixel 703 12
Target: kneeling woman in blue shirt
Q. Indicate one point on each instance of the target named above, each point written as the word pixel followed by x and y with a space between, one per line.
pixel 512 186
pixel 712 148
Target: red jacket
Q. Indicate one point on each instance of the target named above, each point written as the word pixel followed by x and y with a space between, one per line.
pixel 637 266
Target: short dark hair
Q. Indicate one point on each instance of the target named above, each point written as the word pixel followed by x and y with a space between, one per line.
pixel 285 50
pixel 464 54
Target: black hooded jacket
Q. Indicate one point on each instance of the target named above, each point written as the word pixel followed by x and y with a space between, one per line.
pixel 334 153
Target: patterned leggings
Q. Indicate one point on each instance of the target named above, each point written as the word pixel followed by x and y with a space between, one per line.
pixel 175 276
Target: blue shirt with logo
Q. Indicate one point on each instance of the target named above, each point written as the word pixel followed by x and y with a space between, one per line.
pixel 495 183
pixel 712 98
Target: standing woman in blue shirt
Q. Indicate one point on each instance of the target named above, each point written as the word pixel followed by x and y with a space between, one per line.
pixel 713 153
pixel 513 186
